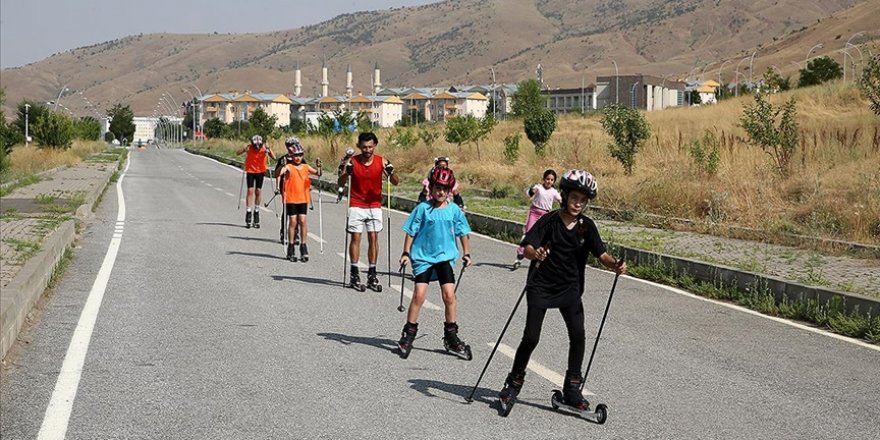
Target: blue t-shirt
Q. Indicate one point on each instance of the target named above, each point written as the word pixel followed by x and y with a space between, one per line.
pixel 434 231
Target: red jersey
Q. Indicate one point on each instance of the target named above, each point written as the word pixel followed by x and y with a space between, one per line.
pixel 366 183
pixel 255 161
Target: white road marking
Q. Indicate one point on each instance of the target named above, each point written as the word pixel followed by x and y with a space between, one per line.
pixel 541 370
pixel 57 414
pixel 316 238
pixel 229 194
pixel 215 161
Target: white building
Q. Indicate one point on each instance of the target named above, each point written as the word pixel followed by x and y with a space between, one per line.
pixel 145 127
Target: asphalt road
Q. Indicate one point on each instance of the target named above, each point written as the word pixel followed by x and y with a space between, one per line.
pixel 205 331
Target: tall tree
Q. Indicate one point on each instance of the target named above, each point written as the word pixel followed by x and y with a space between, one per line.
pixel 869 83
pixel 820 70
pixel 528 98
pixel 122 124
pixel 54 130
pixel 262 123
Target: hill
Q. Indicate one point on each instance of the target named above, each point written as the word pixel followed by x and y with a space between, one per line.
pixel 454 42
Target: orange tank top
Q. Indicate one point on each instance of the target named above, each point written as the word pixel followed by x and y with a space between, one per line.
pixel 255 161
pixel 297 184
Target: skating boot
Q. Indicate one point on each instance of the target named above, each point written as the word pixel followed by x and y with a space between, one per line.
pixel 373 280
pixel 517 263
pixel 248 216
pixel 512 386
pixel 407 337
pixel 453 344
pixel 256 219
pixel 291 252
pixel 571 392
pixel 303 253
pixel 355 282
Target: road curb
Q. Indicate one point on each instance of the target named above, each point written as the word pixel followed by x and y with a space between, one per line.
pixel 713 273
pixel 28 285
pixel 20 295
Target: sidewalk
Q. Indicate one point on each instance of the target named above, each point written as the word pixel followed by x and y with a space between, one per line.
pixel 37 225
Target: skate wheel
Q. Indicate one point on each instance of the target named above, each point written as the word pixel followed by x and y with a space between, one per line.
pixel 601 413
pixel 555 399
pixel 505 409
pixel 469 355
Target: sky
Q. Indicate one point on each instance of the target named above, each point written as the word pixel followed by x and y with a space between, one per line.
pixel 31 30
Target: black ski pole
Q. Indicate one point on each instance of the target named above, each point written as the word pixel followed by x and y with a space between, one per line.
pixel 400 308
pixel 470 397
pixel 388 226
pixel 458 281
pixel 345 249
pixel 601 325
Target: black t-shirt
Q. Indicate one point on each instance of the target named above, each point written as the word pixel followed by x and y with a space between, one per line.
pixel 559 282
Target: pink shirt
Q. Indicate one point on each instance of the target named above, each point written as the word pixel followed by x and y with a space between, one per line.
pixel 543 198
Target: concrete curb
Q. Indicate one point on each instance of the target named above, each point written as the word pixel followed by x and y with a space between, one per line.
pixel 20 295
pixel 745 281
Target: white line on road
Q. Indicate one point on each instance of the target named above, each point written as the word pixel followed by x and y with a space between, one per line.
pixel 541 370
pixel 57 415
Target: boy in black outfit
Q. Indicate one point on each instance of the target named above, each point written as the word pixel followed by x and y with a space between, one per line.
pixel 558 245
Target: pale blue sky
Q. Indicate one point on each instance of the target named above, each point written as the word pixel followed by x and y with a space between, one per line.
pixel 31 30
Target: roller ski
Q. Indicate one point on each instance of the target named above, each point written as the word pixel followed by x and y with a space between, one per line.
pixel 453 344
pixel 291 252
pixel 373 281
pixel 405 344
pixel 507 397
pixel 355 283
pixel 256 219
pixel 248 219
pixel 304 253
pixel 572 401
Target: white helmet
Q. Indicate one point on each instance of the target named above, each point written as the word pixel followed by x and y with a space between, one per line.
pixel 257 140
pixel 579 180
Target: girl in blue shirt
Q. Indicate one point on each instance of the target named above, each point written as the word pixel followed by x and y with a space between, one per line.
pixel 429 245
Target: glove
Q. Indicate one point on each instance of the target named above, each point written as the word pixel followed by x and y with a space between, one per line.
pixel 349 152
pixel 349 168
pixel 277 191
pixel 466 259
pixel 389 169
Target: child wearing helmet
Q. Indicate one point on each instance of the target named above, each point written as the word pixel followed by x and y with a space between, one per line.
pixel 429 247
pixel 293 145
pixel 543 195
pixel 296 195
pixel 441 162
pixel 255 167
pixel 561 242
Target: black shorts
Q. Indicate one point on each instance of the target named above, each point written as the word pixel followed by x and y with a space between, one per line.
pixel 255 180
pixel 442 272
pixel 296 208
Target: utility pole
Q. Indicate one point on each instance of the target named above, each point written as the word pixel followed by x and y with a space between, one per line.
pixel 27 138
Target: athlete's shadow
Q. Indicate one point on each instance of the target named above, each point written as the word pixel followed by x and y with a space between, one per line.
pixel 496 265
pixel 321 281
pixel 382 343
pixel 256 254
pixel 267 240
pixel 234 225
pixel 483 395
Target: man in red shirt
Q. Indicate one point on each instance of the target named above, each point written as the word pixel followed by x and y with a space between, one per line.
pixel 255 166
pixel 368 172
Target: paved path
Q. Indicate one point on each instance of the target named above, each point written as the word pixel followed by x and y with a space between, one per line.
pixel 205 331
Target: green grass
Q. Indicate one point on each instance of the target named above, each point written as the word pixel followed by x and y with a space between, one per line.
pixel 21 182
pixel 58 272
pixel 24 249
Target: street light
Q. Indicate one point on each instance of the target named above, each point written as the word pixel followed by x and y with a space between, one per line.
pixel 751 61
pixel 846 54
pixel 63 89
pixel 736 76
pixel 27 139
pixel 807 59
pixel 617 83
pixel 720 82
pixel 494 100
pixel 632 95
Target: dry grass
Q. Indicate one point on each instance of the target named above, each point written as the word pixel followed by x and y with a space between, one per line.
pixel 32 160
pixel 834 189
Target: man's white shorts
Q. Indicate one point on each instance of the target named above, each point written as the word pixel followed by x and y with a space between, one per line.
pixel 360 218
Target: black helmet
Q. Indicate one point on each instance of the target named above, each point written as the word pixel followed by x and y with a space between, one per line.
pixel 579 180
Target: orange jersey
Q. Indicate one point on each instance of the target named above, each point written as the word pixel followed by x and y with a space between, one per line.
pixel 297 184
pixel 255 161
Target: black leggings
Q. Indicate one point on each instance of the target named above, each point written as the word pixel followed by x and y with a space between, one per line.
pixel 574 320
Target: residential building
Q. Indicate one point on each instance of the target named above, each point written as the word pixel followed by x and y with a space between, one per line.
pixel 232 107
pixel 638 91
pixel 569 100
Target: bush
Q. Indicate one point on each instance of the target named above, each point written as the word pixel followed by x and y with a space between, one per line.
pixel 54 130
pixel 528 99
pixel 511 147
pixel 539 126
pixel 403 137
pixel 87 128
pixel 428 135
pixel 214 128
pixel 780 142
pixel 820 70
pixel 869 83
pixel 629 129
pixel 705 153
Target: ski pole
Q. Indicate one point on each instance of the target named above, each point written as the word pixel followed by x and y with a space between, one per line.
pixel 274 206
pixel 345 249
pixel 240 189
pixel 400 308
pixel 266 205
pixel 458 281
pixel 470 397
pixel 601 325
pixel 388 226
pixel 320 211
pixel 285 224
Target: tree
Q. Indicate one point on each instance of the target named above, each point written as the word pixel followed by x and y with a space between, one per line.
pixel 774 83
pixel 188 116
pixel 337 127
pixel 35 112
pixel 87 128
pixel 297 125
pixel 461 129
pixel 694 97
pixel 528 98
pixel 412 117
pixel 214 128
pixel 262 123
pixel 869 83
pixel 779 141
pixel 122 124
pixel 628 129
pixel 53 130
pixel 5 147
pixel 818 71
pixel 539 126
